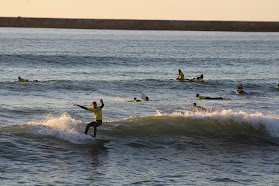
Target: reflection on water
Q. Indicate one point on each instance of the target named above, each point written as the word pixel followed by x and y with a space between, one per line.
pixel 97 151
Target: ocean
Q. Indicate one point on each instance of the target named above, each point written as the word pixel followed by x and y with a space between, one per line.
pixel 158 142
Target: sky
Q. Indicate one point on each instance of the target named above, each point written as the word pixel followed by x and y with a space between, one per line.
pixel 228 10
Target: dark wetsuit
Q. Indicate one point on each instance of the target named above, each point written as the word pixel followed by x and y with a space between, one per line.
pixel 201 97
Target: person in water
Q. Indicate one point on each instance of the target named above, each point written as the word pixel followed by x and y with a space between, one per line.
pixel 24 80
pixel 202 97
pixel 97 111
pixel 145 99
pixel 198 79
pixel 196 108
pixel 240 90
pixel 277 87
pixel 180 75
pixel 21 79
pixel 134 100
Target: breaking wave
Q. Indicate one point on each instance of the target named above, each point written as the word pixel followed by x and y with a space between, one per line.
pixel 224 124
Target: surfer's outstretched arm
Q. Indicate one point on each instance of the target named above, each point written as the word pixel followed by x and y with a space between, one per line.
pixel 102 103
pixel 80 106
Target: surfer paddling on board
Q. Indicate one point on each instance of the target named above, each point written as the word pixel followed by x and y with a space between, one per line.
pixel 97 111
pixel 134 100
pixel 21 79
pixel 198 79
pixel 202 97
pixel 196 108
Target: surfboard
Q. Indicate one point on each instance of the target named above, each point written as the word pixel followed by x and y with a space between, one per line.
pixel 183 80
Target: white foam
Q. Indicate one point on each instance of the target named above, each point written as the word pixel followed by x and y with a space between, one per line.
pixel 62 127
pixel 119 99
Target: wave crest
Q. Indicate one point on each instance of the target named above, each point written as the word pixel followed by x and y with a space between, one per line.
pixel 226 124
pixel 63 127
pixel 199 123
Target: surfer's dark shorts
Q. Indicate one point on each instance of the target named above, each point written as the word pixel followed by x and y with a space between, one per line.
pixel 95 123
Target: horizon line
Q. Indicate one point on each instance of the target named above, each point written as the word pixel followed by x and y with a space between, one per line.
pixel 137 19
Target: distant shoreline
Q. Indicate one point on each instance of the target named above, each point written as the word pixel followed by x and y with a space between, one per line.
pixel 130 24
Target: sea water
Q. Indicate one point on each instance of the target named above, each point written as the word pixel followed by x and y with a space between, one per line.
pixel 159 142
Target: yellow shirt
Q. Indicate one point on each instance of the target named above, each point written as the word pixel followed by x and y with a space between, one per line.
pixel 181 75
pixel 21 79
pixel 97 112
pixel 240 91
pixel 201 97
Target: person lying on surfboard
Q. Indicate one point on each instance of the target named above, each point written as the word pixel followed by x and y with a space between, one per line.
pixel 143 97
pixel 198 79
pixel 196 108
pixel 202 97
pixel 97 111
pixel 134 100
pixel 21 79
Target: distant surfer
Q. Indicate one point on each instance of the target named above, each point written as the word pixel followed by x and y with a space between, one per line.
pixel 198 79
pixel 143 97
pixel 134 100
pixel 24 80
pixel 202 97
pixel 277 87
pixel 180 75
pixel 97 111
pixel 240 90
pixel 196 108
pixel 21 79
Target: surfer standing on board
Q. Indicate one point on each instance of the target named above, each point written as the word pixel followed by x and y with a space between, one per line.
pixel 97 111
